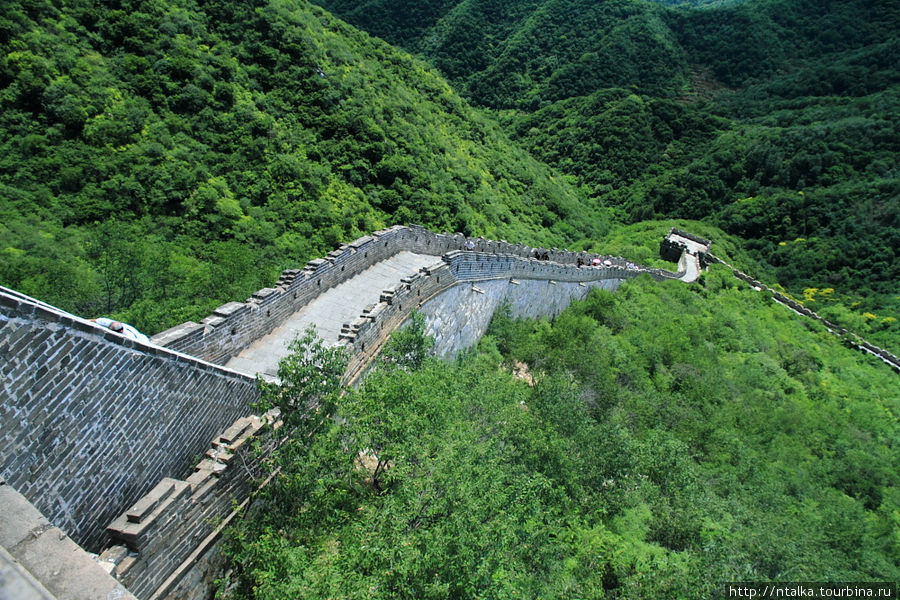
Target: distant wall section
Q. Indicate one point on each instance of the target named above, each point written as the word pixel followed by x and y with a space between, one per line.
pixel 235 325
pixel 461 291
pixel 458 317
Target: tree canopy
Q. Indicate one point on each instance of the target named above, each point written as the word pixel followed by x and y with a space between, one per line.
pixel 773 119
pixel 162 157
pixel 651 443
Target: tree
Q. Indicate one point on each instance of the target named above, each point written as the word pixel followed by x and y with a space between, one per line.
pixel 408 347
pixel 308 386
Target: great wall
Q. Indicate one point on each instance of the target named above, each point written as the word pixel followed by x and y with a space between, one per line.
pixel 120 461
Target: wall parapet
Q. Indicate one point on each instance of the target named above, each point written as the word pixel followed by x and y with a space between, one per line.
pixel 235 325
pixel 849 338
pixel 364 336
pixel 168 526
pixel 80 401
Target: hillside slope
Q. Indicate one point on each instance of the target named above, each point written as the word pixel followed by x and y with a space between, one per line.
pixel 159 158
pixel 774 119
pixel 653 443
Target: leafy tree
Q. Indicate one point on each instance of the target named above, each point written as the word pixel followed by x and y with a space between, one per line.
pixel 409 347
pixel 672 438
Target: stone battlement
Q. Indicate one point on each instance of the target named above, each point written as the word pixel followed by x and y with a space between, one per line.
pixel 235 325
pixel 159 534
pixel 92 422
pixel 91 419
pixel 364 336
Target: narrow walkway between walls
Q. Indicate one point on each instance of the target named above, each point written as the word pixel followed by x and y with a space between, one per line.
pixel 327 312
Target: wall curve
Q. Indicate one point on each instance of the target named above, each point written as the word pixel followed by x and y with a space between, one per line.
pixel 92 423
pixel 459 316
pixel 506 273
pixel 235 325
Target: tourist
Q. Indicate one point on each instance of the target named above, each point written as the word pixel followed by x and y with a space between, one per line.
pixel 122 329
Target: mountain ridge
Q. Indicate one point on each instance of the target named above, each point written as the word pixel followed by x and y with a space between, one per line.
pixel 227 152
pixel 790 138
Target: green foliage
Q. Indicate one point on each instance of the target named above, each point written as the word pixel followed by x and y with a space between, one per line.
pixel 736 412
pixel 772 119
pixel 671 437
pixel 308 384
pixel 408 347
pixel 525 54
pixel 193 130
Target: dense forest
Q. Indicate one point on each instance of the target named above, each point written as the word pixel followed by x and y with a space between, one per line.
pixel 652 443
pixel 773 119
pixel 160 158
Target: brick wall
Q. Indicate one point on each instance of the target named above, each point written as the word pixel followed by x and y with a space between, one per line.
pixel 90 420
pixel 167 533
pixel 235 325
pixel 365 335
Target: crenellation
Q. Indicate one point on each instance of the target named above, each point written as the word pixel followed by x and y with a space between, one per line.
pixel 229 309
pixel 83 393
pixel 176 516
pixel 322 273
pixel 235 431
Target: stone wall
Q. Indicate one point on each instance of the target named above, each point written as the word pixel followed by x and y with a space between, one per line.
pixel 849 338
pixel 91 420
pixel 39 561
pixel 235 325
pixel 170 532
pixel 446 287
pixel 458 317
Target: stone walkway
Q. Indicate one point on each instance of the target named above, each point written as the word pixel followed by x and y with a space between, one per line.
pixel 328 312
pixel 690 264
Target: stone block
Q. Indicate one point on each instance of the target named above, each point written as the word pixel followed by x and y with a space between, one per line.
pixel 264 293
pixel 174 334
pixel 162 497
pixel 360 242
pixel 216 462
pixel 214 321
pixel 48 555
pixel 21 520
pixel 142 508
pixel 110 558
pixel 317 263
pixel 230 308
pixel 236 430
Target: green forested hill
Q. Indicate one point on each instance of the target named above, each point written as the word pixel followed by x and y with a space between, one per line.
pixel 525 54
pixel 774 119
pixel 653 443
pixel 258 135
pixel 158 158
